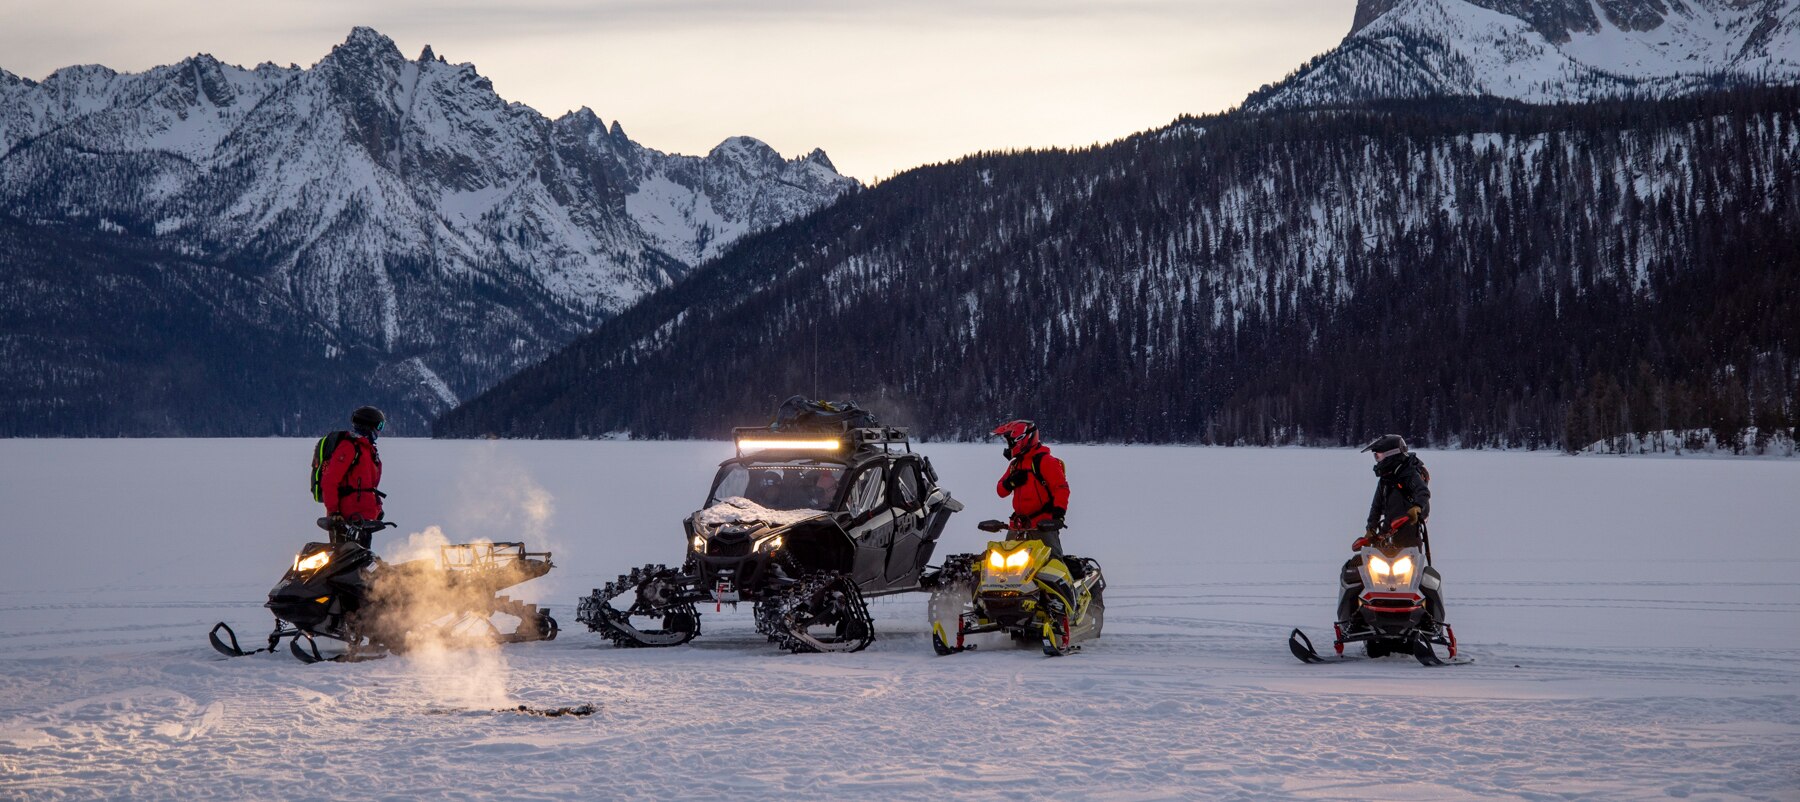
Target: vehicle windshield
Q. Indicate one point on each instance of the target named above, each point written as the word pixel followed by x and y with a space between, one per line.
pixel 798 484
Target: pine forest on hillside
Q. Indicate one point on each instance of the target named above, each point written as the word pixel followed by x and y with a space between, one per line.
pixel 1471 273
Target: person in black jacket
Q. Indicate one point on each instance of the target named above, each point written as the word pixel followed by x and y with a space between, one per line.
pixel 1402 504
pixel 1402 491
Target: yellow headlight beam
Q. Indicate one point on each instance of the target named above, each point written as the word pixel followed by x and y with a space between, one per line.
pixel 792 445
pixel 1017 559
pixel 317 561
pixel 1379 567
pixel 996 561
pixel 1403 566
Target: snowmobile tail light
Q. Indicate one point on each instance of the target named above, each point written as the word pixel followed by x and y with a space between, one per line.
pixel 791 445
pixel 316 561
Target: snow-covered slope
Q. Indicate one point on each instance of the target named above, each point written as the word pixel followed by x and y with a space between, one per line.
pixel 1547 51
pixel 1627 645
pixel 403 204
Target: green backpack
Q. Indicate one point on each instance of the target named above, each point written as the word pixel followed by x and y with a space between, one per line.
pixel 322 452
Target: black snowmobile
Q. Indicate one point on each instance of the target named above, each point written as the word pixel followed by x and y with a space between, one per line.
pixel 815 514
pixel 342 591
pixel 1393 604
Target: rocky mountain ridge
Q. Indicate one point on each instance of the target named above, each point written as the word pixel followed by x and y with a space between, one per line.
pixel 1546 51
pixel 400 208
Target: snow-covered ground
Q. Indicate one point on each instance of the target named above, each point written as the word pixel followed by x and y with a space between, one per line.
pixel 1636 624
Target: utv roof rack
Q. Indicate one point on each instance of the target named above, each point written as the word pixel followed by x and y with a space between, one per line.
pixel 853 440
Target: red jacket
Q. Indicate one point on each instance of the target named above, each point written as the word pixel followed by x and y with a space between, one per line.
pixel 347 485
pixel 1044 493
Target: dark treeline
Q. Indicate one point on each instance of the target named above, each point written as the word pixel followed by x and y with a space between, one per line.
pixel 1467 274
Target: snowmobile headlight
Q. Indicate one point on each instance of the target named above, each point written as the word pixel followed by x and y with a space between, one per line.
pixel 1379 567
pixel 315 562
pixel 995 561
pixel 1018 559
pixel 769 544
pixel 1402 570
pixel 699 544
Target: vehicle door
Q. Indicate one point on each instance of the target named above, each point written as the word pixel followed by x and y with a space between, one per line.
pixel 906 495
pixel 871 523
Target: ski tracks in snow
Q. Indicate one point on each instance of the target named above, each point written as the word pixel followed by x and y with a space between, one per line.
pixel 1165 706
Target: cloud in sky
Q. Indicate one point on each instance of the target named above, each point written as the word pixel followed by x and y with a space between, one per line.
pixel 882 85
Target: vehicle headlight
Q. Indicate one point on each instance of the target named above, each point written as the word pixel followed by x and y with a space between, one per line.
pixel 1403 569
pixel 1379 567
pixel 1002 561
pixel 699 544
pixel 315 562
pixel 769 544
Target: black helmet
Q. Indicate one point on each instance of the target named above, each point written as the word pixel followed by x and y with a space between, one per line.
pixel 1386 444
pixel 367 419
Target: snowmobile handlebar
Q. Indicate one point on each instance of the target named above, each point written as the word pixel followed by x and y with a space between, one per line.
pixel 1002 526
pixel 357 524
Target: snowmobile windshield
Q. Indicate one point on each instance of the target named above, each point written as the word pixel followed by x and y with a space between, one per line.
pixel 797 484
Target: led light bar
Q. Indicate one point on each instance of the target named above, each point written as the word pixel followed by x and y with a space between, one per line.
pixel 792 445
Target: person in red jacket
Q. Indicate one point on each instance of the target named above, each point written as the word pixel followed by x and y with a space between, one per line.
pixel 1035 480
pixel 348 482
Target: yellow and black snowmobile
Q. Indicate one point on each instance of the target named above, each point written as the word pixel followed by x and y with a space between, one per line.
pixel 1018 587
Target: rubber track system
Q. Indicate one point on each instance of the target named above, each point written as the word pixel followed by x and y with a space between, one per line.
pixel 829 601
pixel 680 622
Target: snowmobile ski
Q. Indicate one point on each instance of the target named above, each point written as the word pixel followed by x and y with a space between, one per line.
pixel 229 647
pixel 1302 647
pixel 1422 651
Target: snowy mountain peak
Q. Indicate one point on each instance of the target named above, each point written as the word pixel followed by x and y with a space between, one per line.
pixel 373 192
pixel 1546 51
pixel 818 157
pixel 747 152
pixel 363 39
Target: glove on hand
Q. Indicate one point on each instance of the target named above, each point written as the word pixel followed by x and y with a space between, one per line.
pixel 1016 479
pixel 336 519
pixel 1415 515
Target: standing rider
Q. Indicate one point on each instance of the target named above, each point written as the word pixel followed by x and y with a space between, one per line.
pixel 1036 482
pixel 1398 512
pixel 348 481
pixel 1402 492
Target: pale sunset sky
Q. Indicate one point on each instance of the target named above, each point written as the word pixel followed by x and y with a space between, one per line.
pixel 881 86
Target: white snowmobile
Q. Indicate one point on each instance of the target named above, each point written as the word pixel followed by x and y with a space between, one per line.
pixel 1394 605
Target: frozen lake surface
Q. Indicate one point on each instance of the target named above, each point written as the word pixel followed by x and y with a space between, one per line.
pixel 1636 624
